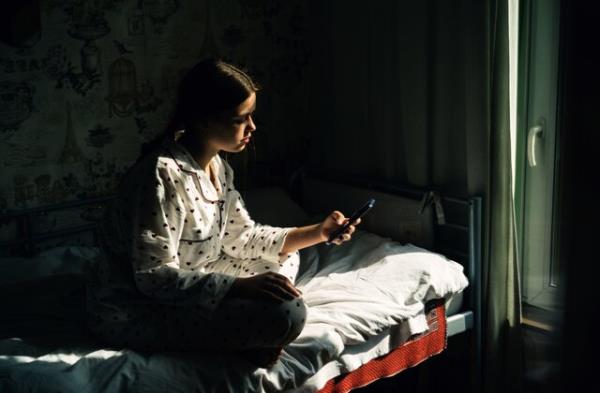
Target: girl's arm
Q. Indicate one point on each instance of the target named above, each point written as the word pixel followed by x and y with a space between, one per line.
pixel 309 235
pixel 245 238
pixel 157 219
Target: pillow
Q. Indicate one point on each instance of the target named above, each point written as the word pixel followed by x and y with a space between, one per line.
pixel 64 260
pixel 273 206
pixel 370 283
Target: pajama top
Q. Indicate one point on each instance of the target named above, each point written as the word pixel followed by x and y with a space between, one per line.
pixel 168 224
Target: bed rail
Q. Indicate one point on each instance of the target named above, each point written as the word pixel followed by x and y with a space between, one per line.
pixel 457 235
pixel 24 232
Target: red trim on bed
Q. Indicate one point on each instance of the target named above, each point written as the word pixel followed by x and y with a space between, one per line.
pixel 409 354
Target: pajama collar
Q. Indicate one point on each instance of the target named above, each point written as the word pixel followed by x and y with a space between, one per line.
pixel 187 164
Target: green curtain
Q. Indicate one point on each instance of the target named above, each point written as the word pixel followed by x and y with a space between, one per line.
pixel 502 355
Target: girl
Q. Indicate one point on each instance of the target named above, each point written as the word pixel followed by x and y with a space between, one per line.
pixel 183 266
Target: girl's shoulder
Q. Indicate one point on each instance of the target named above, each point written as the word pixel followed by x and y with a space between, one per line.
pixel 156 165
pixel 165 162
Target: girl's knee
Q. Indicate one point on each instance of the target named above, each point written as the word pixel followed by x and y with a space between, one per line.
pixel 291 318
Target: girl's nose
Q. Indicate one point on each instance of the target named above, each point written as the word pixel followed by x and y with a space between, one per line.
pixel 251 124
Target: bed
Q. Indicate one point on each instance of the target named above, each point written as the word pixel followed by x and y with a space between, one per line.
pixel 350 340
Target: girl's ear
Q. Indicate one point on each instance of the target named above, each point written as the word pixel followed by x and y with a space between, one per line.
pixel 202 125
pixel 178 134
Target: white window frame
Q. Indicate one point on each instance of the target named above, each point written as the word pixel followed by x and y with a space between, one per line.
pixel 535 186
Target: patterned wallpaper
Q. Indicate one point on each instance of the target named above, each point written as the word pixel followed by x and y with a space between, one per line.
pixel 78 100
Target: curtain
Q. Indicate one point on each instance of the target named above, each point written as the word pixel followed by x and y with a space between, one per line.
pixel 417 93
pixel 398 93
pixel 502 351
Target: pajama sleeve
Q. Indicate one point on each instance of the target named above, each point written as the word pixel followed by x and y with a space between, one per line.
pixel 160 217
pixel 245 238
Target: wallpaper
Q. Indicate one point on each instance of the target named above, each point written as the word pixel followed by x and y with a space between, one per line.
pixel 78 99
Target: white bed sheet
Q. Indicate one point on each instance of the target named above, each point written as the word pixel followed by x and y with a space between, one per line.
pixel 42 299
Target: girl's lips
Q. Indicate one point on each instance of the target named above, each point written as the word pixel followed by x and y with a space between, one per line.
pixel 246 140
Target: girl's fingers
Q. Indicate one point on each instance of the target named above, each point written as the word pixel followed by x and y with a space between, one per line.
pixel 338 217
pixel 281 291
pixel 282 280
pixel 342 238
pixel 290 287
pixel 270 295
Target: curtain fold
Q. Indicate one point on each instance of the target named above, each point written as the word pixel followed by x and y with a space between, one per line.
pixel 502 355
pixel 397 93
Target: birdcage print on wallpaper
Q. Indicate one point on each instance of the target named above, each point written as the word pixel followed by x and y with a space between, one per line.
pixel 122 88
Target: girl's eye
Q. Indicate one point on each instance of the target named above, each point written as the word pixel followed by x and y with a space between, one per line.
pixel 240 120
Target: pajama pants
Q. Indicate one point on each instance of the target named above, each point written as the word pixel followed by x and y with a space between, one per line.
pixel 237 323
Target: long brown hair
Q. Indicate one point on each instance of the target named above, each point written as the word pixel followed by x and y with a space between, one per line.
pixel 206 91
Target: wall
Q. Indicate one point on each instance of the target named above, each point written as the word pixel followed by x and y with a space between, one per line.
pixel 80 97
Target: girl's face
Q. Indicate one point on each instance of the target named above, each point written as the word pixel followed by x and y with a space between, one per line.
pixel 234 131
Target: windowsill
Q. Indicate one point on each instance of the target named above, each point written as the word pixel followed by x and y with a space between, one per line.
pixel 540 319
pixel 531 323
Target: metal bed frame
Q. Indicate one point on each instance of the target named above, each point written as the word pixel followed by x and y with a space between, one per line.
pixel 26 236
pixel 458 236
pixel 457 233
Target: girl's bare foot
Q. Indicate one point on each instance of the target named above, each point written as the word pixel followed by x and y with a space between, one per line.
pixel 262 357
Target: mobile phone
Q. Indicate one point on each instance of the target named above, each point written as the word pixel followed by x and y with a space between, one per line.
pixel 355 216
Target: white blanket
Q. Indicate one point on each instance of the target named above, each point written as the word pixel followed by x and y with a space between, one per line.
pixel 353 291
pixel 362 287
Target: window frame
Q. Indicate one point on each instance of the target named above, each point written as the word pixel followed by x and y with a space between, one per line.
pixel 540 270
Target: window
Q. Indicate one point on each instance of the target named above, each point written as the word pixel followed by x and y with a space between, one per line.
pixel 536 157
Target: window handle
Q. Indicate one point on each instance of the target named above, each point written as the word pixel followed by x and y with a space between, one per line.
pixel 535 132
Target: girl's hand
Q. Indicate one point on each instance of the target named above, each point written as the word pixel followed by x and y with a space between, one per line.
pixel 269 285
pixel 334 221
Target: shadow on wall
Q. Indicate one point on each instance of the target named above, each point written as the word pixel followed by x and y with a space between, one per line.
pixel 86 83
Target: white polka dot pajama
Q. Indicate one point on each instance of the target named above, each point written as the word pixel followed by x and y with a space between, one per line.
pixel 173 243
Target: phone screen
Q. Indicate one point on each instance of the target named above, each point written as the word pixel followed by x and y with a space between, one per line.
pixel 355 216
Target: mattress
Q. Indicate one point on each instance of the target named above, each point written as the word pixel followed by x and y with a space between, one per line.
pixel 44 345
pixel 408 354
